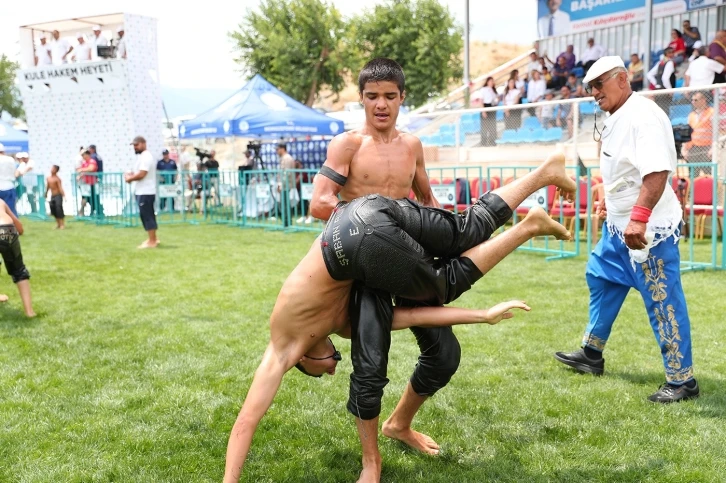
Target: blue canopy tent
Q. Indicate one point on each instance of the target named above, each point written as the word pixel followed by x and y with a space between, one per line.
pixel 15 141
pixel 259 109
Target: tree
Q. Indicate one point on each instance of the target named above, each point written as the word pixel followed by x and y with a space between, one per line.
pixel 422 36
pixel 9 95
pixel 298 45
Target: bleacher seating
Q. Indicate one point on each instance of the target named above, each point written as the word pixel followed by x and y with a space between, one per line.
pixel 525 135
pixel 587 108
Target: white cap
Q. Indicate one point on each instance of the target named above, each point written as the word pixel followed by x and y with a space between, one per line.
pixel 42 37
pixel 96 27
pixel 80 35
pixel 602 65
pixel 697 44
pixel 120 29
pixel 2 148
pixel 22 154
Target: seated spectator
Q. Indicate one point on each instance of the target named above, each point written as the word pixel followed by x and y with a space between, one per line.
pixel 575 86
pixel 591 54
pixel 536 87
pixel 546 114
pixel 564 115
pixel 698 149
pixel 717 52
pixel 678 45
pixel 663 74
pixel 569 56
pixel 702 70
pixel 636 72
pixel 82 52
pixel 546 76
pixel 534 65
pixel 512 97
pixel 691 35
pixel 559 74
pixel 517 81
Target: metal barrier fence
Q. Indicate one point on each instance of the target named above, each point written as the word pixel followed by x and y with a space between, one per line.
pixel 104 199
pixel 30 193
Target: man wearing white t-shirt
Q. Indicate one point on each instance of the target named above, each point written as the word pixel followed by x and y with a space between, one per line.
pixel 98 40
pixel 639 247
pixel 121 45
pixel 8 173
pixel 82 52
pixel 60 49
pixel 702 70
pixel 145 190
pixel 42 52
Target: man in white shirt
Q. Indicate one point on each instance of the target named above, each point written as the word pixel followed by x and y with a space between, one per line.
pixel 121 45
pixel 556 22
pixel 60 49
pixel 8 173
pixel 533 65
pixel 663 74
pixel 42 52
pixel 82 52
pixel 591 54
pixel 145 189
pixel 98 40
pixel 639 248
pixel 702 70
pixel 28 184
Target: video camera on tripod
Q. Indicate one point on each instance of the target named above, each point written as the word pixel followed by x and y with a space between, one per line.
pixel 202 154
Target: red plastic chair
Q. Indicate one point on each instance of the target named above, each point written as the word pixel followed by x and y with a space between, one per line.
pixel 703 205
pixel 569 212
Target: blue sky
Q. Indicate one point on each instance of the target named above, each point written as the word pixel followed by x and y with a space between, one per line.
pixel 194 51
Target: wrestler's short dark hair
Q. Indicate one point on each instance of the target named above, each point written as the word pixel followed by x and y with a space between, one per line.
pixel 382 69
pixel 57 168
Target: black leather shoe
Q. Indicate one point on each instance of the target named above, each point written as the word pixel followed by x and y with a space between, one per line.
pixel 579 361
pixel 668 394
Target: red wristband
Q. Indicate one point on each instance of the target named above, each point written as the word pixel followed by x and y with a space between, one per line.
pixel 641 214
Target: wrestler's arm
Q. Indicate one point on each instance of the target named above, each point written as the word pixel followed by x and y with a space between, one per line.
pixel 325 190
pixel 406 317
pixel 421 186
pixel 259 398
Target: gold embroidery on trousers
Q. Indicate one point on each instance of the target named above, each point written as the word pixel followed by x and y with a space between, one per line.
pixel 594 341
pixel 653 269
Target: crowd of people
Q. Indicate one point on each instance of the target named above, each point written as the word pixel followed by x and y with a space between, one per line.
pixel 58 50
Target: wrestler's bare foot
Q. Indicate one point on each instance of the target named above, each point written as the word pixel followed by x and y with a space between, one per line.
pixel 414 439
pixel 371 472
pixel 554 169
pixel 3 298
pixel 542 225
pixel 30 314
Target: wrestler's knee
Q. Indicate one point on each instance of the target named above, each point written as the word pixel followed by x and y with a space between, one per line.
pixel 437 364
pixel 20 274
pixel 364 400
pixel 496 206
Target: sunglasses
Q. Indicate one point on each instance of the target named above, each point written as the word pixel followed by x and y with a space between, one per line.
pixel 335 356
pixel 597 84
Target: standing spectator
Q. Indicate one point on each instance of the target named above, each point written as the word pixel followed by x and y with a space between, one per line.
pixel 28 183
pixel 546 113
pixel 678 45
pixel 663 76
pixel 534 65
pixel 302 177
pixel 697 51
pixel 717 52
pixel 559 74
pixel 60 49
pixel 702 70
pixel 691 35
pixel 167 169
pixel 512 96
pixel 82 52
pixel 98 40
pixel 556 22
pixel 285 182
pixel 535 90
pixel 569 56
pixel 488 123
pixel 698 149
pixel 98 190
pixel 121 44
pixel 211 166
pixel 635 72
pixel 43 52
pixel 145 189
pixel 88 166
pixel 8 173
pixel 591 54
pixel 564 116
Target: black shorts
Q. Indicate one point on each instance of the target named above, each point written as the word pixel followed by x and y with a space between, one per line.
pixel 146 211
pixel 391 245
pixel 11 254
pixel 56 207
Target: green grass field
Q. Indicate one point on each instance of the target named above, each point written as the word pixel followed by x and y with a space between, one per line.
pixel 139 361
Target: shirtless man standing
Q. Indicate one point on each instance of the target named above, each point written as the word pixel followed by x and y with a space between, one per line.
pixel 389 245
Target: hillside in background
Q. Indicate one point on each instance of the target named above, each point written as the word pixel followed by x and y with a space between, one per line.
pixel 484 56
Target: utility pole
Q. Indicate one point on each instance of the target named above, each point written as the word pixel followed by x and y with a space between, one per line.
pixel 466 54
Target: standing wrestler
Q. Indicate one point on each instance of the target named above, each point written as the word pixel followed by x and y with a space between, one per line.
pixel 57 195
pixel 389 245
pixel 10 231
